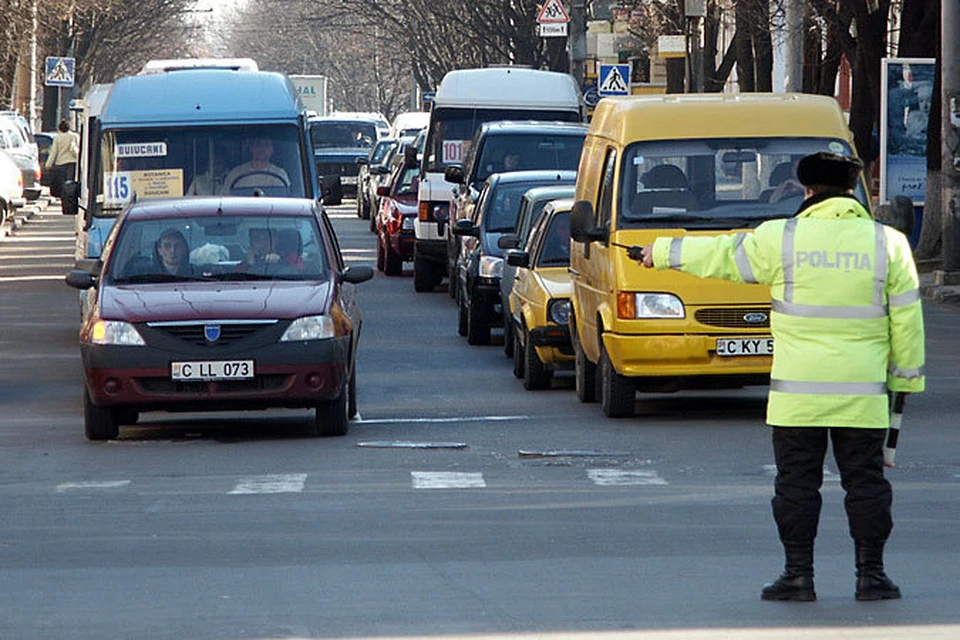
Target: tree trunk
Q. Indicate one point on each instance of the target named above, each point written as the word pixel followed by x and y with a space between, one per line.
pixel 744 43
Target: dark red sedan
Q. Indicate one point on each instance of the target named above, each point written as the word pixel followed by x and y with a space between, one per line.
pixel 214 304
pixel 398 209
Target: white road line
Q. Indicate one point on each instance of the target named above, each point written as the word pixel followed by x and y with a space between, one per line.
pixel 447 480
pixel 80 486
pixel 441 420
pixel 27 278
pixel 275 483
pixel 621 477
pixel 828 476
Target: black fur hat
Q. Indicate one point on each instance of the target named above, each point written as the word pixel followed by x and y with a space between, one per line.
pixel 830 170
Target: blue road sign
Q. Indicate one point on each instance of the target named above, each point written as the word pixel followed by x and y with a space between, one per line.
pixel 59 72
pixel 428 96
pixel 614 80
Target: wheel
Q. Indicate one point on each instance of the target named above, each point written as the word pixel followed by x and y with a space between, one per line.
pixel 617 393
pixel 365 210
pixel 128 416
pixel 585 372
pixel 332 415
pixel 508 338
pixel 393 263
pixel 99 423
pixel 535 375
pixel 381 258
pixel 360 208
pixel 373 219
pixel 461 316
pixel 478 329
pixel 518 358
pixel 422 275
pixel 352 408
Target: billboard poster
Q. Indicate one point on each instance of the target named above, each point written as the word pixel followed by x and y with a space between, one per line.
pixel 906 93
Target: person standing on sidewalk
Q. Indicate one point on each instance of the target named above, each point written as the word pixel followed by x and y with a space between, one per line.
pixel 62 159
pixel 848 330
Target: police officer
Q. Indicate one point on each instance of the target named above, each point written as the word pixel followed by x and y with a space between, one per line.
pixel 848 329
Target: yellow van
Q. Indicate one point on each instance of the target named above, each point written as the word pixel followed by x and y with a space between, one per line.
pixel 676 165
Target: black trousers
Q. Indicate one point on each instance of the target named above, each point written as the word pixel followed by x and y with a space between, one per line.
pixel 800 452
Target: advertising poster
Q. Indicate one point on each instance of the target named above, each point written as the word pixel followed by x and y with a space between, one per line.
pixel 906 95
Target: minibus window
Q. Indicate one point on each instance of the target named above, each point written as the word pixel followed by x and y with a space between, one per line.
pixel 716 183
pixel 606 190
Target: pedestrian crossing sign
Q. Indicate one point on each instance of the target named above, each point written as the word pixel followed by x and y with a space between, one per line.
pixel 614 80
pixel 59 72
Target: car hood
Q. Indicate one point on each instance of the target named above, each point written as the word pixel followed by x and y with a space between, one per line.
pixel 214 301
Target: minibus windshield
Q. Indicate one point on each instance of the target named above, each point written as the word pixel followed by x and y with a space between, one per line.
pixel 720 183
pixel 452 129
pixel 164 162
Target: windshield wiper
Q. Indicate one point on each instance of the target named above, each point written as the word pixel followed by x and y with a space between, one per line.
pixel 148 278
pixel 694 217
pixel 246 275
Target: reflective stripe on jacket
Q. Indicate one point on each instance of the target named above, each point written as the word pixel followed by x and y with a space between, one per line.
pixel 846 316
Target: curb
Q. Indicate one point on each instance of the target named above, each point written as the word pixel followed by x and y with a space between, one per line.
pixel 22 215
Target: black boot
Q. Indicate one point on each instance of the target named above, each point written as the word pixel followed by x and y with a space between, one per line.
pixel 872 582
pixel 795 584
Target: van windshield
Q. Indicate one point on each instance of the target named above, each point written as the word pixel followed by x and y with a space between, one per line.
pixel 720 183
pixel 452 129
pixel 166 162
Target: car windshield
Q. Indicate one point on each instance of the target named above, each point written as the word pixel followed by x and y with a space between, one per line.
pixel 408 182
pixel 380 151
pixel 716 183
pixel 190 248
pixel 555 251
pixel 342 134
pixel 452 129
pixel 524 152
pixel 187 161
pixel 503 206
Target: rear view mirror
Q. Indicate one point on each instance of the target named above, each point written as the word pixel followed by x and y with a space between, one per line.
pixel 453 174
pixel 465 228
pixel 739 157
pixel 358 274
pixel 81 280
pixel 518 258
pixel 383 192
pixel 582 223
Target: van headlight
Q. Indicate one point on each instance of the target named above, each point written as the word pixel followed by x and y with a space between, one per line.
pixel 558 311
pixel 491 267
pixel 631 306
pixel 116 332
pixel 309 328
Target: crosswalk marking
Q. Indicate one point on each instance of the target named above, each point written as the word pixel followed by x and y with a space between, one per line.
pixel 621 477
pixel 275 483
pixel 447 480
pixel 90 485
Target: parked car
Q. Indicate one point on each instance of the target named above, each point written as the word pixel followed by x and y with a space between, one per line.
pixel 502 147
pixel 531 208
pixel 338 141
pixel 480 263
pixel 370 175
pixel 540 299
pixel 11 186
pixel 398 208
pixel 24 152
pixel 259 311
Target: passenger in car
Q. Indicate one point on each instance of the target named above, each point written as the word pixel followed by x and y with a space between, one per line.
pixel 172 253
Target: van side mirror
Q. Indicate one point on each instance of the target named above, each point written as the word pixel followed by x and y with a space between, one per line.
pixel 453 174
pixel 582 224
pixel 518 258
pixel 70 198
pixel 465 228
pixel 508 241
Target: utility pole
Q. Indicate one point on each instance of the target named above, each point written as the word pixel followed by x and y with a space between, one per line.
pixel 694 12
pixel 32 113
pixel 578 40
pixel 793 50
pixel 950 140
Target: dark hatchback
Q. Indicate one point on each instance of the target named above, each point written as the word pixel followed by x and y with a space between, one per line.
pixel 258 312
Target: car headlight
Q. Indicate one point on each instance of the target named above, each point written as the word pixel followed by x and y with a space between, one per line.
pixel 631 306
pixel 559 311
pixel 309 328
pixel 116 332
pixel 491 267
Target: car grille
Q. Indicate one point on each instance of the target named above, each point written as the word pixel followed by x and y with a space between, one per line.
pixel 733 317
pixel 168 386
pixel 195 334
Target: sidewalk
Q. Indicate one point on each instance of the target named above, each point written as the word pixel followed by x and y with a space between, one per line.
pixel 21 215
pixel 931 290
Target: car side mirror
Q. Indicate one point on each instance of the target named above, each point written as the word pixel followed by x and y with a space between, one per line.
pixel 453 174
pixel 362 161
pixel 70 198
pixel 410 157
pixel 356 275
pixel 383 192
pixel 82 280
pixel 465 228
pixel 518 258
pixel 582 227
pixel 508 241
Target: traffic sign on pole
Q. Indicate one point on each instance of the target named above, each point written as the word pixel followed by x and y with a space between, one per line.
pixel 614 80
pixel 59 72
pixel 552 11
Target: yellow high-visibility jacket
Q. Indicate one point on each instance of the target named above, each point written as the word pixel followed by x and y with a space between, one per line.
pixel 845 314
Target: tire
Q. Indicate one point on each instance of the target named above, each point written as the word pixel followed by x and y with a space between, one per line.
pixel 508 337
pixel 518 358
pixel 360 208
pixel 617 393
pixel 422 275
pixel 585 373
pixel 381 259
pixel 128 416
pixel 478 329
pixel 461 316
pixel 373 220
pixel 99 423
pixel 535 375
pixel 352 408
pixel 392 263
pixel 331 416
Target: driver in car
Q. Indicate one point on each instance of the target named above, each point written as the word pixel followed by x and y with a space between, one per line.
pixel 259 171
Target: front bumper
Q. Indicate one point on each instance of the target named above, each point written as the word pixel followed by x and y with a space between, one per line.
pixel 403 244
pixel 293 375
pixel 678 356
